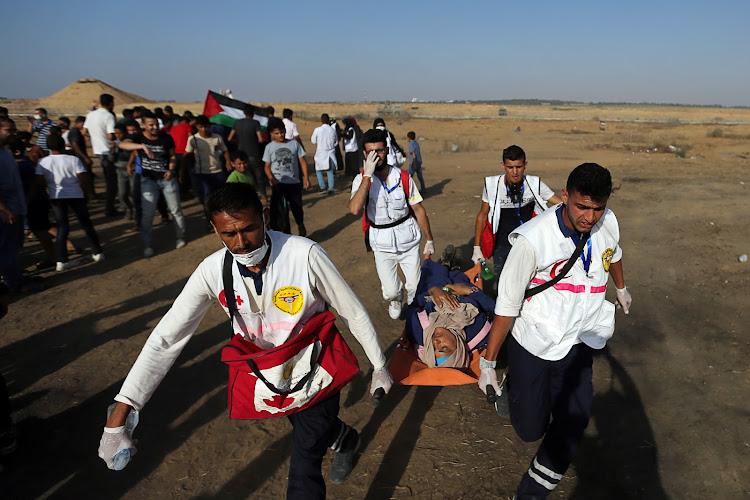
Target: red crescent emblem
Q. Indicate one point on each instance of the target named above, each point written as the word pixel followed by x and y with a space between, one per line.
pixel 553 272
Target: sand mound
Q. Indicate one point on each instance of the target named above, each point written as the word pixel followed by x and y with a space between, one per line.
pixel 81 93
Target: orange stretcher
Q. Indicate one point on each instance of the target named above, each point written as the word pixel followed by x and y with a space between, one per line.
pixel 407 369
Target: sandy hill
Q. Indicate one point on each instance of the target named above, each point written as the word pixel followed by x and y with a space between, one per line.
pixel 81 93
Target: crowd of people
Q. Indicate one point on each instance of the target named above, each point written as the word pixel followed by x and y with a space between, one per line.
pixel 552 265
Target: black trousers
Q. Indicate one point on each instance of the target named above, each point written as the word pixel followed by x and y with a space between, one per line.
pixel 540 389
pixel 292 193
pixel 110 180
pixel 315 430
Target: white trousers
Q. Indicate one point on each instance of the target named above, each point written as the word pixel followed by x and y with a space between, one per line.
pixel 387 265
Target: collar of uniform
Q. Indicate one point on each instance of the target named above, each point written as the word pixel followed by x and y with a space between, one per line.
pixel 257 277
pixel 565 230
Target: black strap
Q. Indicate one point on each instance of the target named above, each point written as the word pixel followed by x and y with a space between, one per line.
pixel 232 306
pixel 229 289
pixel 536 200
pixel 390 224
pixel 530 292
pixel 300 384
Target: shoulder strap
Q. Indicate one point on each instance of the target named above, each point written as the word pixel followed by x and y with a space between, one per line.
pixel 568 266
pixel 405 183
pixel 229 288
pixel 536 200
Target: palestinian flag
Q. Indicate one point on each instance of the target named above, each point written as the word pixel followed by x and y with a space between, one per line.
pixel 224 110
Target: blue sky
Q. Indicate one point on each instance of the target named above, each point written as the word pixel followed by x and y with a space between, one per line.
pixel 690 52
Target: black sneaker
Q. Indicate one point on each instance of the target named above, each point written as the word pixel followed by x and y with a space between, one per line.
pixel 343 461
pixel 501 403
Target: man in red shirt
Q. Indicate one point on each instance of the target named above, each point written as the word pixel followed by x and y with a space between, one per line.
pixel 180 134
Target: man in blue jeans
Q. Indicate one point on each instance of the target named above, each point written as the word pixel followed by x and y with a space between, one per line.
pixel 159 173
pixel 415 159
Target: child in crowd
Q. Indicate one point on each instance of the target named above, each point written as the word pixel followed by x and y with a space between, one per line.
pixel 284 160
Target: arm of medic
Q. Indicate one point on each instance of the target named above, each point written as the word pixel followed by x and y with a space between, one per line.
pixel 517 273
pixel 482 218
pixel 332 287
pixel 158 355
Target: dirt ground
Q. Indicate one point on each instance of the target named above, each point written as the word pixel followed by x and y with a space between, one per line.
pixel 671 412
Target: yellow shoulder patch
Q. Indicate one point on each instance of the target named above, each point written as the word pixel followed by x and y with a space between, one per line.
pixel 289 299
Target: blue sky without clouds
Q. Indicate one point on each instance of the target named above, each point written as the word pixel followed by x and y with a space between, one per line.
pixel 690 52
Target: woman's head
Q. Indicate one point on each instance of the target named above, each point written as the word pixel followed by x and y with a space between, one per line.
pixel 444 342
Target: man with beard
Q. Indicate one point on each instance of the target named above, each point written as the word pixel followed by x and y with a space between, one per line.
pixel 554 331
pixel 394 214
pixel 508 201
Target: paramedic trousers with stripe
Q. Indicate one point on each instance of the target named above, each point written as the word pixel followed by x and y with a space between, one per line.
pixel 539 389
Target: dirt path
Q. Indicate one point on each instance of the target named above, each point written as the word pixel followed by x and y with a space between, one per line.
pixel 670 413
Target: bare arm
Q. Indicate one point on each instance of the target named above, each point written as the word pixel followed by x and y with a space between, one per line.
pixel 554 200
pixel 172 166
pixel 231 136
pixel 615 270
pixel 260 137
pixel 358 200
pixel 83 180
pixel 482 218
pixel 499 330
pixel 119 415
pixel 271 179
pixel 130 168
pixel 424 223
pixel 305 176
pixel 81 153
pixel 227 161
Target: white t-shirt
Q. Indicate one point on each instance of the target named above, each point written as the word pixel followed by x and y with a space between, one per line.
pixel 291 129
pixel 61 174
pixel 99 123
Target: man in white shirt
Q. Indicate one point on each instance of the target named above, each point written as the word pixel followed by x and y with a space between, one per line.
pixel 325 155
pixel 508 201
pixel 292 132
pixel 100 127
pixel 394 214
pixel 281 282
pixel 554 331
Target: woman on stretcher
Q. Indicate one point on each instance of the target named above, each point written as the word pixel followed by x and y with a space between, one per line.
pixel 449 316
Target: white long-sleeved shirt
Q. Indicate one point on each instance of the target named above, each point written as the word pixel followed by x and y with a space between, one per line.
pixel 177 326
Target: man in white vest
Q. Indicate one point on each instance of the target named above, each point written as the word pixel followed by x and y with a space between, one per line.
pixel 265 265
pixel 553 333
pixel 394 213
pixel 508 201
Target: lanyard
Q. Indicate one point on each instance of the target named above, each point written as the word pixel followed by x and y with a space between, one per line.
pixel 518 210
pixel 389 191
pixel 585 259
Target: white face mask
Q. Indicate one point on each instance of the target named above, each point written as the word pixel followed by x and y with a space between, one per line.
pixel 37 117
pixel 252 258
pixel 380 127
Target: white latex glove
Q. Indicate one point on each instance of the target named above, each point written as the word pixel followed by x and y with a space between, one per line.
pixel 624 299
pixel 429 247
pixel 115 439
pixel 477 255
pixel 381 378
pixel 488 376
pixel 370 163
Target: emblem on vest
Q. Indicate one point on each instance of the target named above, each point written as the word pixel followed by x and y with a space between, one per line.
pixel 607 258
pixel 289 299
